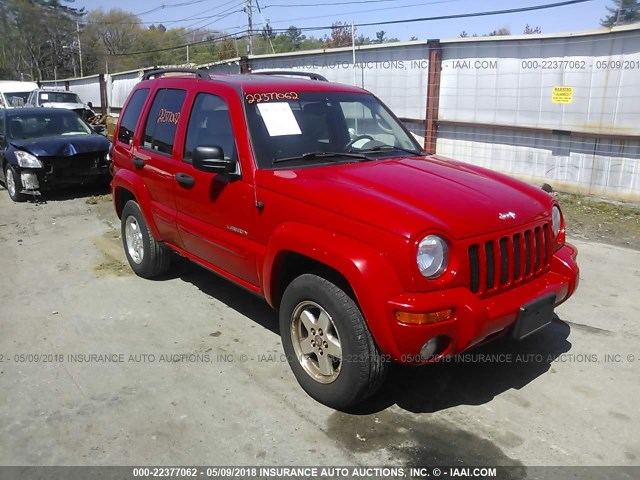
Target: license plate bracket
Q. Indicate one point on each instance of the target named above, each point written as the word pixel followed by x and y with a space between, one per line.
pixel 534 316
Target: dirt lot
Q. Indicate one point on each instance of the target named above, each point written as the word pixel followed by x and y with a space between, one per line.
pixel 100 367
pixel 601 220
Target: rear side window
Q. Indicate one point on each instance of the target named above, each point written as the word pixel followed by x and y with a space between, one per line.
pixel 131 115
pixel 162 122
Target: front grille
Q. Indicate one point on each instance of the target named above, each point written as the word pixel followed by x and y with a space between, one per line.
pixel 75 165
pixel 499 263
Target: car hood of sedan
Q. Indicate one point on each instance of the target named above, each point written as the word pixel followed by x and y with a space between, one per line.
pixel 68 106
pixel 63 146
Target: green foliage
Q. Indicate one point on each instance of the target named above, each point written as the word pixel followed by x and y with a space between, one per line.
pixel 622 12
pixel 42 39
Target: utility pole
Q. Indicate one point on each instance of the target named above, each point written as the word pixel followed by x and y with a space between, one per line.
pixel 249 10
pixel 79 48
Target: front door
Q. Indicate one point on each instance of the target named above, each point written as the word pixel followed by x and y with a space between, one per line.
pixel 216 212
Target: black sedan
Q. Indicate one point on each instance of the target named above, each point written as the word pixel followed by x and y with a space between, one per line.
pixel 45 147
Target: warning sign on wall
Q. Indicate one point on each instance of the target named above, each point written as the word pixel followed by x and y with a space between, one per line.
pixel 562 95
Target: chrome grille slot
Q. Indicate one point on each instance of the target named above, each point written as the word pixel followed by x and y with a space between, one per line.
pixel 499 263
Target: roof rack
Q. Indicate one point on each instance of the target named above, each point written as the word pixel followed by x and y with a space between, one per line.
pixel 294 73
pixel 199 73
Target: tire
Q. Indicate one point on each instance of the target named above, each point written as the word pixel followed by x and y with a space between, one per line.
pixel 317 318
pixel 147 257
pixel 13 184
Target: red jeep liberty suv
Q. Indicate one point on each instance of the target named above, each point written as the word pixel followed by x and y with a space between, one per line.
pixel 313 195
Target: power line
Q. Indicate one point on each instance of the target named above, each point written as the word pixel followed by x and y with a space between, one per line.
pixel 369 10
pixel 326 4
pixel 449 17
pixel 166 49
pixel 163 6
pixel 388 22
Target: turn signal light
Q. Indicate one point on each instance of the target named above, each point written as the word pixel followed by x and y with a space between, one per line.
pixel 424 318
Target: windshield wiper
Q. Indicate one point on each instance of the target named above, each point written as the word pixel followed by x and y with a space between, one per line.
pixel 315 155
pixel 379 148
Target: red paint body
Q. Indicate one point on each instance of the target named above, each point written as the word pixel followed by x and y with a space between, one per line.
pixel 363 220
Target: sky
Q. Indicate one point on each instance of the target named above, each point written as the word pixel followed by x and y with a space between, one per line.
pixel 227 15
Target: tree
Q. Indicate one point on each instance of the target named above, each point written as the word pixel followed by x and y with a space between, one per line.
pixel 380 36
pixel 494 33
pixel 267 32
pixel 340 35
pixel 499 32
pixel 623 12
pixel 295 35
pixel 37 38
pixel 113 34
pixel 531 30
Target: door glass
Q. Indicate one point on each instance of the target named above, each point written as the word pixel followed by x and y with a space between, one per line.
pixel 162 122
pixel 131 115
pixel 210 125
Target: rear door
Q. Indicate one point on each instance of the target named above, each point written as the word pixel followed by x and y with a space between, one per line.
pixel 155 160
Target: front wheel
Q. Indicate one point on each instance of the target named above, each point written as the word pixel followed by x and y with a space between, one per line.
pixel 13 184
pixel 147 257
pixel 328 344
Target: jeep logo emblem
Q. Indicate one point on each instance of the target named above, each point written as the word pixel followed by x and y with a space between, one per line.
pixel 505 215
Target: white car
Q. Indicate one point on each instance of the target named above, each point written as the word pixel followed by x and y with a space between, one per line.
pixel 15 94
pixel 60 99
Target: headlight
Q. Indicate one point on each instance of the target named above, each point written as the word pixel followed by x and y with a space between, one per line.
pixel 26 160
pixel 432 256
pixel 556 220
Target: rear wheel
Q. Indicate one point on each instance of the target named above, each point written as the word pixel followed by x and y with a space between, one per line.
pixel 328 344
pixel 147 257
pixel 13 184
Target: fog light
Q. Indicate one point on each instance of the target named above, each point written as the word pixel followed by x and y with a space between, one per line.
pixel 29 181
pixel 431 349
pixel 424 318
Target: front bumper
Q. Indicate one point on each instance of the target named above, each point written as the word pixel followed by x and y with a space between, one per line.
pixel 35 179
pixel 475 319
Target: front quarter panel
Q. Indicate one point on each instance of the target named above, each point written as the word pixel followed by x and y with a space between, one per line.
pixel 367 271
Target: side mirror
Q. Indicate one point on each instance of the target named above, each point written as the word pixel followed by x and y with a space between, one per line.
pixel 98 129
pixel 211 159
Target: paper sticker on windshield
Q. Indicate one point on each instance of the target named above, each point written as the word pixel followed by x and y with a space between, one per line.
pixel 278 118
pixel 44 96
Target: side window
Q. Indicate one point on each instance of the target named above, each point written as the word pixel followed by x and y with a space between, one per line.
pixel 210 124
pixel 162 122
pixel 1 126
pixel 131 115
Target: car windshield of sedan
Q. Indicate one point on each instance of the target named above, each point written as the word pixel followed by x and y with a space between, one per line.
pixel 59 97
pixel 29 126
pixel 309 128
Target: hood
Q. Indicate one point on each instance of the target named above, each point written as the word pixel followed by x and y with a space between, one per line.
pixel 413 195
pixel 64 146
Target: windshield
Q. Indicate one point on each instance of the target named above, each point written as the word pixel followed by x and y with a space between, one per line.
pixel 59 97
pixel 38 125
pixel 317 127
pixel 16 99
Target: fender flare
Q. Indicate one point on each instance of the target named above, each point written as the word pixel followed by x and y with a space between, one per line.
pixel 369 274
pixel 126 180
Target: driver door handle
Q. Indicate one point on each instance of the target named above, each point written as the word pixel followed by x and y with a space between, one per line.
pixel 185 180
